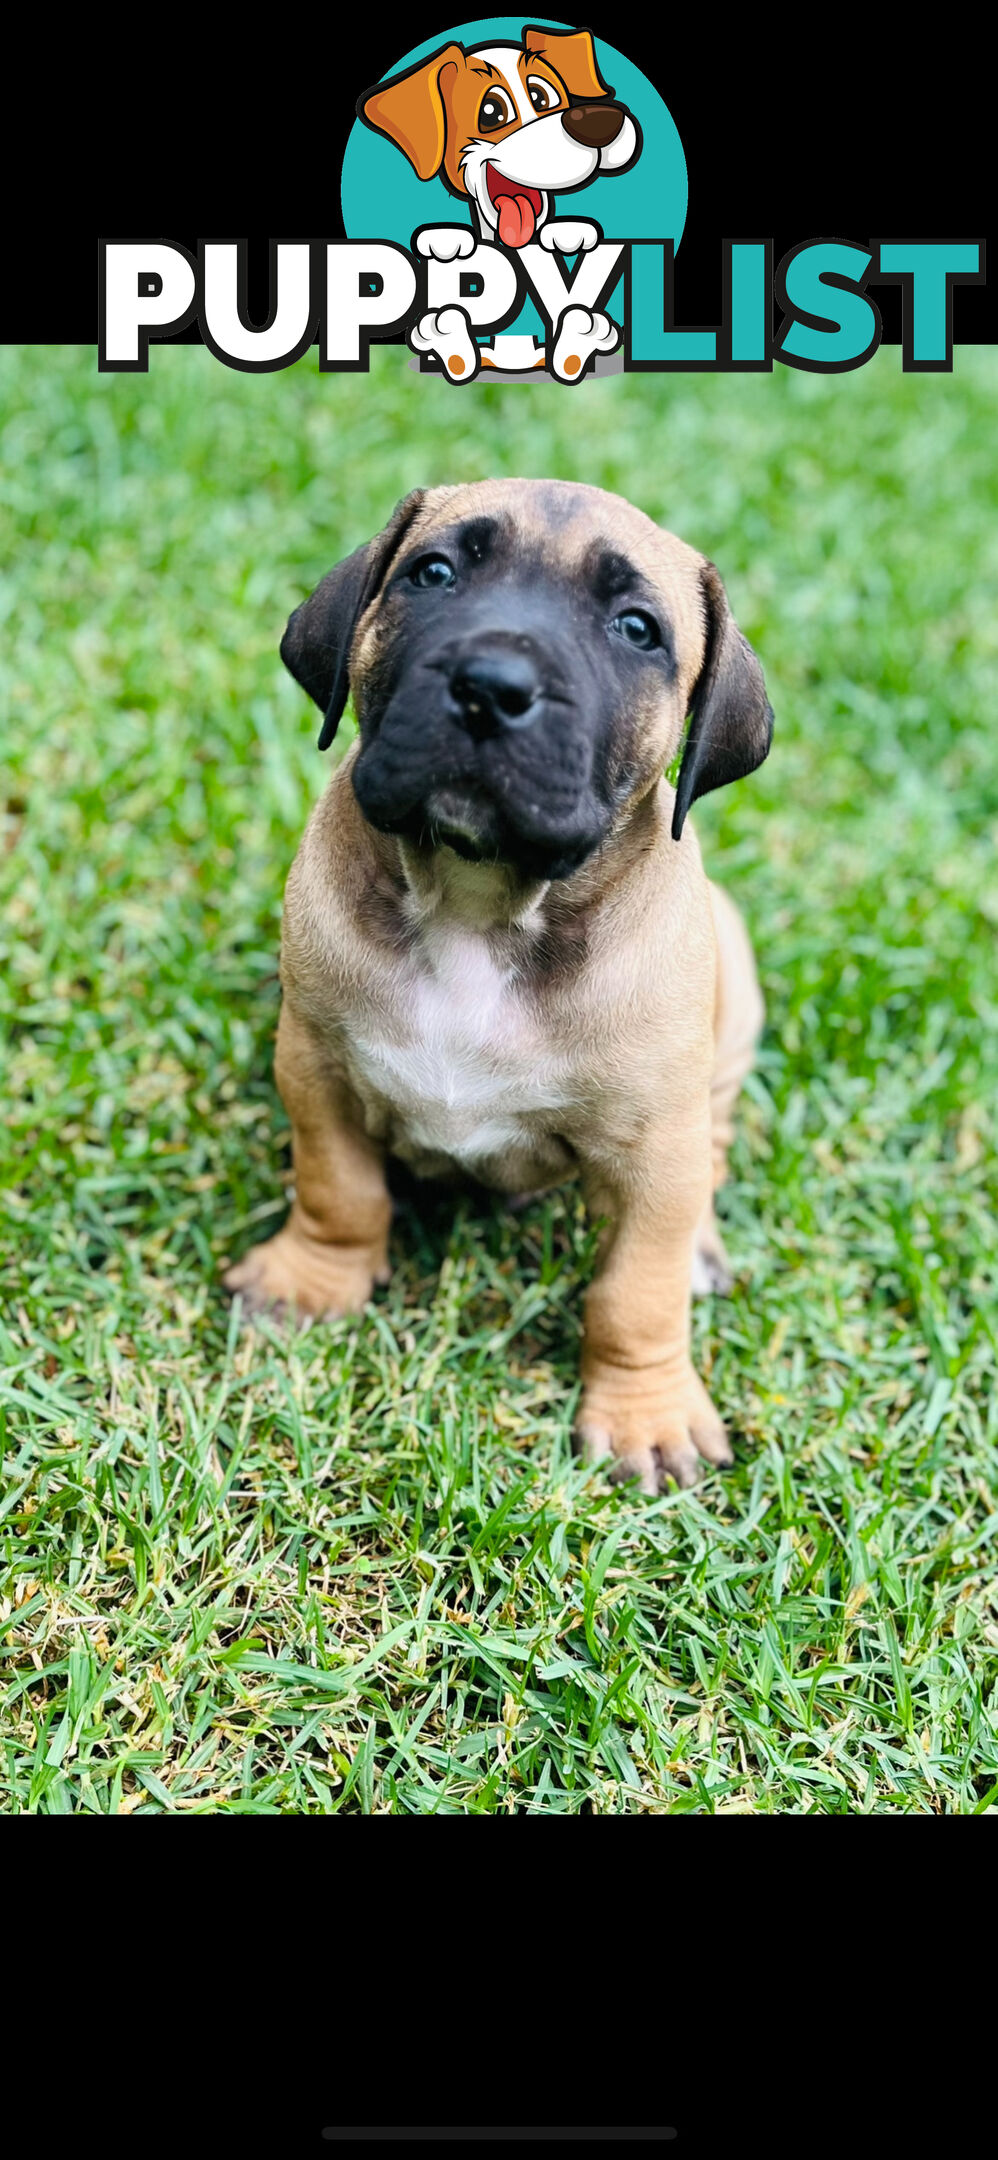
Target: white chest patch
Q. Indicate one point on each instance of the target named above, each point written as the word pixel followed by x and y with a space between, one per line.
pixel 461 1068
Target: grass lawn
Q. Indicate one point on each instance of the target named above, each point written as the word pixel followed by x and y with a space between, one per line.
pixel 358 1568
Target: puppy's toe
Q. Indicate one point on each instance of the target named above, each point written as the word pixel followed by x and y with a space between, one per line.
pixel 245 1281
pixel 645 1467
pixel 242 1278
pixel 712 1442
pixel 597 1444
pixel 676 1457
pixel 593 1442
pixel 650 1461
pixel 706 1429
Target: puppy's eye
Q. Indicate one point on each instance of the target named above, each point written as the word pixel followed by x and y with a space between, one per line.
pixel 542 95
pixel 636 628
pixel 434 571
pixel 494 112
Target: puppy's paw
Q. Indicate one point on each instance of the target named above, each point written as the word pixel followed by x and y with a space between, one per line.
pixel 653 1427
pixel 581 335
pixel 446 332
pixel 290 1276
pixel 445 243
pixel 569 236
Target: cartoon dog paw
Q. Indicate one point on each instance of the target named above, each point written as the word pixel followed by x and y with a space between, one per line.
pixel 445 243
pixel 447 334
pixel 568 236
pixel 581 335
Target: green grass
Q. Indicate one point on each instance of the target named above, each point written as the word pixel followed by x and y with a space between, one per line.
pixel 358 1568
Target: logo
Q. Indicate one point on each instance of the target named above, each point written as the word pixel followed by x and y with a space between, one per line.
pixel 519 145
pixel 513 199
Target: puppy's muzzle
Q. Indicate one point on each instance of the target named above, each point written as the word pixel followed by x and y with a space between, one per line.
pixel 495 685
pixel 594 125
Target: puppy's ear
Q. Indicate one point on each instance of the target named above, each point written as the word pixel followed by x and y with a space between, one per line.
pixel 316 645
pixel 572 56
pixel 731 723
pixel 411 111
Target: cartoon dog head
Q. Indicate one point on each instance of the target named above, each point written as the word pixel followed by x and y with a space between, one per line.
pixel 507 126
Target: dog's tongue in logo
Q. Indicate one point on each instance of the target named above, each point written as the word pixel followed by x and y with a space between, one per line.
pixel 517 208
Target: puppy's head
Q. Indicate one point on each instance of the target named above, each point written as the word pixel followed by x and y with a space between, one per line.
pixel 507 125
pixel 523 657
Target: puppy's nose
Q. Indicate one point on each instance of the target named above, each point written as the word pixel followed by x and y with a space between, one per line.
pixel 495 688
pixel 594 125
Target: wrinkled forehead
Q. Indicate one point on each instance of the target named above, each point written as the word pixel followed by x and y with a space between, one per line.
pixel 582 533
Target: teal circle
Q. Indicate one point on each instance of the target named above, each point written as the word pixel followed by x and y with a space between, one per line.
pixel 382 198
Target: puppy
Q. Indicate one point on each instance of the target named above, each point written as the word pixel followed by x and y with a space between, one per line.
pixel 507 127
pixel 501 954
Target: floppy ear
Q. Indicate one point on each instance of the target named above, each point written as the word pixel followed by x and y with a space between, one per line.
pixel 731 724
pixel 316 645
pixel 573 57
pixel 410 109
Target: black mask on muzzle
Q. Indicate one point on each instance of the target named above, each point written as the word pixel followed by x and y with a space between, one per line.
pixel 487 721
pixel 498 705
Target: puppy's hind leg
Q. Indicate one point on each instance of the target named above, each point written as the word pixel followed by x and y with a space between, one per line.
pixel 739 1015
pixel 333 1247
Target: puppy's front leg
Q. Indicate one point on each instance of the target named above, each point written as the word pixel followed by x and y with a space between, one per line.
pixel 642 1401
pixel 333 1247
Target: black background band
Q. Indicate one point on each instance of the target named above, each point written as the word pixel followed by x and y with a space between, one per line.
pixel 795 127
